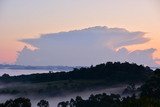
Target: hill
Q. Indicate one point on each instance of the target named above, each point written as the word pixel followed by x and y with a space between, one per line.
pixel 99 76
pixel 111 72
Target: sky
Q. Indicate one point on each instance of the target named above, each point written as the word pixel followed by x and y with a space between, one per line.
pixel 86 47
pixel 25 19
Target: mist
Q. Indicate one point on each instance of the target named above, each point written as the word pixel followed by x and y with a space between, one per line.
pixel 53 101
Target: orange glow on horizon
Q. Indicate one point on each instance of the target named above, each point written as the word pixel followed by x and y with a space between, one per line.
pixel 9 52
pixel 19 22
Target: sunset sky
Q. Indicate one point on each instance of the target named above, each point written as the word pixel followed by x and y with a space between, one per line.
pixel 23 19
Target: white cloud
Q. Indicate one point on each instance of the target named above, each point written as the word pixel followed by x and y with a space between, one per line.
pixel 85 47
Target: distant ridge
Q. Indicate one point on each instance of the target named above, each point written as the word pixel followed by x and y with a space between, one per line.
pixel 22 67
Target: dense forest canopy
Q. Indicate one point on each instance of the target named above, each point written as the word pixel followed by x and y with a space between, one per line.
pixel 111 72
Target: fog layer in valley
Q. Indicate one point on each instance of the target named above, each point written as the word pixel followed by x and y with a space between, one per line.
pixel 66 97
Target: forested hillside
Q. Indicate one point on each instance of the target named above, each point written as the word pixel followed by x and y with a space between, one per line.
pixel 111 72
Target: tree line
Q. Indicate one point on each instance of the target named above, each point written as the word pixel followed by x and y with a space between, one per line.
pixel 23 102
pixel 111 72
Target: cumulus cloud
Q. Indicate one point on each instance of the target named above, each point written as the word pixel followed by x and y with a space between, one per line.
pixel 85 47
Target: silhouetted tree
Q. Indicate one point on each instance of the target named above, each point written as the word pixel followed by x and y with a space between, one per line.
pixel 21 102
pixel 5 75
pixel 43 103
pixel 151 88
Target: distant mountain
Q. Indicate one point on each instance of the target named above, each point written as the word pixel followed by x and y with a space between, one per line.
pixel 50 68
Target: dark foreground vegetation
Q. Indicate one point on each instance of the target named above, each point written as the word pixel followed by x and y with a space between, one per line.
pixel 149 97
pixel 23 102
pixel 103 100
pixel 103 75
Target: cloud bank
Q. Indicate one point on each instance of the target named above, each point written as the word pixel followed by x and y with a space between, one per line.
pixel 86 47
